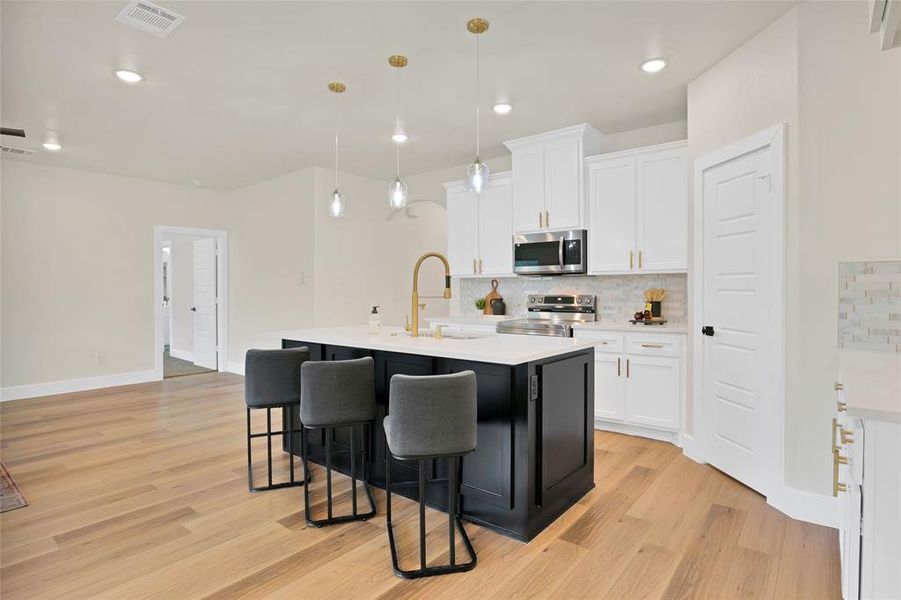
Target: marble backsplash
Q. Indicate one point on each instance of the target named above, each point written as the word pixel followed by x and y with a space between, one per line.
pixel 618 296
pixel 869 305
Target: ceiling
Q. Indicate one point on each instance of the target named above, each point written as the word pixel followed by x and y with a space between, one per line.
pixel 237 94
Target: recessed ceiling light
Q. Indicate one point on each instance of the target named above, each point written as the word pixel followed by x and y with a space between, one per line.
pixel 399 136
pixel 52 146
pixel 654 65
pixel 502 108
pixel 129 76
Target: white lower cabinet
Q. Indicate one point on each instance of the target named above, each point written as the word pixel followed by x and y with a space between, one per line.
pixel 638 381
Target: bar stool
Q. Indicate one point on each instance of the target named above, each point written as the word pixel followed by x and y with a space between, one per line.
pixel 272 380
pixel 335 394
pixel 429 418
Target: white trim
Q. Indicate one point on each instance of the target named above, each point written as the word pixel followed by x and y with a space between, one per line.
pixel 677 145
pixel 181 354
pixel 235 367
pixel 221 291
pixel 773 137
pixel 634 430
pixel 34 390
pixel 583 129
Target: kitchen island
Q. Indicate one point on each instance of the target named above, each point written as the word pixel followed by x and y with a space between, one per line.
pixel 535 446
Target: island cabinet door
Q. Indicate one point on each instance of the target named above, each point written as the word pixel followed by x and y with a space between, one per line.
pixel 487 473
pixel 565 429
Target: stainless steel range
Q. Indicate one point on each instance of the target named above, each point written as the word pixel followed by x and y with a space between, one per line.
pixel 552 315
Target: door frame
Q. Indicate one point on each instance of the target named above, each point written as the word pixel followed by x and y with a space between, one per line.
pixel 774 138
pixel 159 232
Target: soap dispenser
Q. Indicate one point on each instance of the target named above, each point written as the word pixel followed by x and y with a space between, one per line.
pixel 375 322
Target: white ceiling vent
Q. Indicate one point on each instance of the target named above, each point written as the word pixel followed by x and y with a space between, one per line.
pixel 150 18
pixel 17 151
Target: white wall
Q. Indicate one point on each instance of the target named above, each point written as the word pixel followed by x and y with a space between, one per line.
pixel 819 71
pixel 77 269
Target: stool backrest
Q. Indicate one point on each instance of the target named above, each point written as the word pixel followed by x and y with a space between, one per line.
pixel 432 414
pixel 272 377
pixel 335 392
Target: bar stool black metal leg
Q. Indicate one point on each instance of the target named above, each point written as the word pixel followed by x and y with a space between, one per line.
pixel 353 472
pixel 287 430
pixel 453 518
pixel 290 430
pixel 249 457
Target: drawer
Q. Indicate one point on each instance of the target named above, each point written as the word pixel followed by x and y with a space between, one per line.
pixel 604 341
pixel 654 345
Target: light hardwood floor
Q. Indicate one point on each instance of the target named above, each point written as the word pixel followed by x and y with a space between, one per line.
pixel 141 491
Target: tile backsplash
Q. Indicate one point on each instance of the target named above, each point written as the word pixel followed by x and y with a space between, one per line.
pixel 618 296
pixel 869 305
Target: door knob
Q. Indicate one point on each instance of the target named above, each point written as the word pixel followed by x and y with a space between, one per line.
pixel 707 330
pixel 193 309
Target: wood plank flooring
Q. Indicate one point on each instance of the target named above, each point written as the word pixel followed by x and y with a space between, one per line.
pixel 141 492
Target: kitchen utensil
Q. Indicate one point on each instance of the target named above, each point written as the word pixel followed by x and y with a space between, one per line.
pixel 492 295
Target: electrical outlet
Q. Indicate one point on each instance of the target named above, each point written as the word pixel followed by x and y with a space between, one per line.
pixel 304 280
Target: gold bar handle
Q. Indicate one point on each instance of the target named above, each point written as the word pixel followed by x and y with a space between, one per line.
pixel 630 258
pixel 547 219
pixel 540 220
pixel 627 367
pixel 834 436
pixel 839 386
pixel 639 259
pixel 618 363
pixel 480 266
pixel 837 486
pixel 846 436
pixel 474 266
pixel 841 406
pixel 652 345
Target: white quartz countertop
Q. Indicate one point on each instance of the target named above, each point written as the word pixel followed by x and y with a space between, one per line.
pixel 480 320
pixel 872 384
pixel 499 349
pixel 630 328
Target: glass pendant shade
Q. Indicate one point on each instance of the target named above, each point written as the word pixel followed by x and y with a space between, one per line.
pixel 397 194
pixel 477 176
pixel 336 205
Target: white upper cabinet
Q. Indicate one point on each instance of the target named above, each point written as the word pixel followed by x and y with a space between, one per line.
pixel 480 228
pixel 548 187
pixel 638 206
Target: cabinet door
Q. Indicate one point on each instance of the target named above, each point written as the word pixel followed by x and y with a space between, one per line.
pixel 563 184
pixel 496 228
pixel 652 391
pixel 528 189
pixel 662 233
pixel 462 231
pixel 609 387
pixel 611 198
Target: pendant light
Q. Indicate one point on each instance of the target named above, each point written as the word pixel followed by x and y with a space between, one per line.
pixel 336 200
pixel 477 172
pixel 397 192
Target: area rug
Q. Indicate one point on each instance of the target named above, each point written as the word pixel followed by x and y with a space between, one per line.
pixel 10 496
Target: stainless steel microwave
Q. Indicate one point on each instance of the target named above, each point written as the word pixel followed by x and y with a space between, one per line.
pixel 551 253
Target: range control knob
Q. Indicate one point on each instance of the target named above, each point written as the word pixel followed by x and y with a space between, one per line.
pixel 531 299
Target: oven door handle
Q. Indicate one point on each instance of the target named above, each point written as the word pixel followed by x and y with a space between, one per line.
pixel 560 252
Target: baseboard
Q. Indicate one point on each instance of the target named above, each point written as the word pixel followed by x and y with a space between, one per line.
pixel 806 506
pixel 182 354
pixel 235 367
pixel 647 432
pixel 35 390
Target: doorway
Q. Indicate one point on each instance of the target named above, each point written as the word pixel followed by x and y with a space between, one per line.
pixel 190 301
pixel 739 304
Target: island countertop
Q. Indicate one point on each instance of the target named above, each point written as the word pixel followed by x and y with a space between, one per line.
pixel 503 349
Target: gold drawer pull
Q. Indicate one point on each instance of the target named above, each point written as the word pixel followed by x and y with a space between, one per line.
pixel 639 259
pixel 652 345
pixel 846 436
pixel 837 486
pixel 842 407
pixel 839 386
pixel 834 436
pixel 618 371
pixel 630 259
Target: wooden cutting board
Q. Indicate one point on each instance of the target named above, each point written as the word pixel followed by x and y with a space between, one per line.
pixel 492 295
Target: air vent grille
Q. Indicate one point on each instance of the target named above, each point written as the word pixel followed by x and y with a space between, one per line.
pixel 150 18
pixel 17 151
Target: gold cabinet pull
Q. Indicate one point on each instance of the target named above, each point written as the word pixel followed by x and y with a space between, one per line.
pixel 652 345
pixel 841 406
pixel 834 436
pixel 480 265
pixel 837 486
pixel 627 367
pixel 618 362
pixel 639 259
pixel 474 266
pixel 547 219
pixel 839 386
pixel 630 259
pixel 540 220
pixel 846 436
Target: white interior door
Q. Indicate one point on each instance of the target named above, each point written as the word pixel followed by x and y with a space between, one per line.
pixel 205 324
pixel 742 365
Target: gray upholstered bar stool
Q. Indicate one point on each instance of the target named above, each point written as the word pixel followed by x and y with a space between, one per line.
pixel 339 393
pixel 272 380
pixel 429 418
